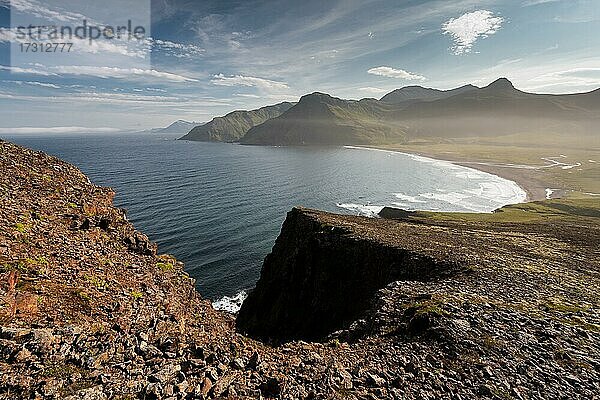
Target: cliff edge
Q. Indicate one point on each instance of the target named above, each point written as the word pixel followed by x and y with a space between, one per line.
pixel 322 275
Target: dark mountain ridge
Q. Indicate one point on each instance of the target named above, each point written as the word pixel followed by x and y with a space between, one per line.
pixel 234 125
pixel 319 118
pixel 419 93
pixel 500 109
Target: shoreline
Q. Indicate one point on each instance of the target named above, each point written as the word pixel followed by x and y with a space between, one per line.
pixel 519 193
pixel 533 188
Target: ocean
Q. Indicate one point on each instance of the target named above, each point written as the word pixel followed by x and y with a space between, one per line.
pixel 219 207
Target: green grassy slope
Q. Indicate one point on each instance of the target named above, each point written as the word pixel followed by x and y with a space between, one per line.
pixel 234 125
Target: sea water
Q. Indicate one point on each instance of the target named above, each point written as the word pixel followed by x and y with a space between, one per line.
pixel 219 207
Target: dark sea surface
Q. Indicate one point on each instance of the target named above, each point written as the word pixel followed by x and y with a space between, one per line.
pixel 219 207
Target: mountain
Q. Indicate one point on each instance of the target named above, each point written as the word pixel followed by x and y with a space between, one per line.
pixel 409 113
pixel 500 109
pixel 179 126
pixel 234 125
pixel 415 113
pixel 419 93
pixel 321 119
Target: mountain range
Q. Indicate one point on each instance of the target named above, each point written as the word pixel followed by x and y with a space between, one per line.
pixel 406 114
pixel 233 126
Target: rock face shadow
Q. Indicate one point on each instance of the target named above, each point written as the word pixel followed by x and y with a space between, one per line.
pixel 320 277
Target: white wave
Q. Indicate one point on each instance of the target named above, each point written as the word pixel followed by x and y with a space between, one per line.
pixel 473 174
pixel 230 304
pixel 404 206
pixel 549 193
pixel 490 193
pixel 410 199
pixel 366 210
pixel 457 199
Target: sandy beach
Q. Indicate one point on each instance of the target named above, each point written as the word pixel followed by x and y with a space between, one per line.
pixel 524 177
pixel 543 173
pixel 527 179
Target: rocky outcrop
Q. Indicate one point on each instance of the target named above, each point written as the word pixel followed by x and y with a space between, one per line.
pixel 321 277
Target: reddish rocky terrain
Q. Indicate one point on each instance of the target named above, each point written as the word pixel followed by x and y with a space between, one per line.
pixel 395 309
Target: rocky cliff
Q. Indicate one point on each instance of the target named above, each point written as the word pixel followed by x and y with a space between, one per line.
pixel 417 308
pixel 321 276
pixel 506 308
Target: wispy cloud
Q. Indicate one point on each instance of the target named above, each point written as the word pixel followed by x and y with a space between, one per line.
pixel 32 83
pixel 390 72
pixel 39 10
pixel 99 72
pixel 178 50
pixel 248 81
pixel 467 29
pixel 56 129
pixel 115 46
pixel 31 71
pixel 247 95
pixel 373 90
pixel 583 77
pixel 111 98
pixel 536 2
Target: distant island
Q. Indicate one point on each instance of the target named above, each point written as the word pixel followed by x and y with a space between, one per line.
pixel 179 126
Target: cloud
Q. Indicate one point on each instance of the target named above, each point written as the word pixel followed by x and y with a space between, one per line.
pixel 120 73
pixel 118 46
pixel 536 2
pixel 178 50
pixel 247 95
pixel 99 72
pixel 31 71
pixel 56 129
pixel 373 90
pixel 582 78
pixel 581 72
pixel 248 81
pixel 470 27
pixel 40 84
pixel 390 72
pixel 114 46
pixel 39 10
pixel 130 99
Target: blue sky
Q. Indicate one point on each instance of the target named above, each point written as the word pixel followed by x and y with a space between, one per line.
pixel 206 58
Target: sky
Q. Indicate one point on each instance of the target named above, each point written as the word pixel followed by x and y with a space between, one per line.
pixel 200 59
